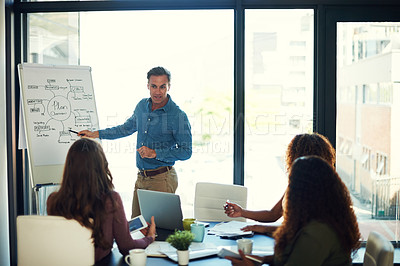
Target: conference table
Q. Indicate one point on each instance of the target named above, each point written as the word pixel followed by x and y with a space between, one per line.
pixel 259 242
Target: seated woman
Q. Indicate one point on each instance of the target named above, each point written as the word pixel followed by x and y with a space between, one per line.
pixel 87 195
pixel 300 145
pixel 319 227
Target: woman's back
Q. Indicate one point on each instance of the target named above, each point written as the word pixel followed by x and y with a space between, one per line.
pixel 315 244
pixel 87 195
pixel 319 224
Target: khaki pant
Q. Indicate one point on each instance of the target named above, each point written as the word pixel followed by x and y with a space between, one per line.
pixel 165 182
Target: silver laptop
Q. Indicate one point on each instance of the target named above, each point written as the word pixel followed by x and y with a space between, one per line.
pixel 166 209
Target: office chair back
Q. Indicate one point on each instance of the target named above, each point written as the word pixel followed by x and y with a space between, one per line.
pixel 379 251
pixel 53 240
pixel 210 198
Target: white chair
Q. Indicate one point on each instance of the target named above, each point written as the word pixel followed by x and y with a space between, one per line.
pixel 53 240
pixel 379 251
pixel 210 198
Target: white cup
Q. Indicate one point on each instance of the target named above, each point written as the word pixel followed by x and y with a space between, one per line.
pixel 245 245
pixel 136 257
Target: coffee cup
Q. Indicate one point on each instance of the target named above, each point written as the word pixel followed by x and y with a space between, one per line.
pixel 187 222
pixel 198 230
pixel 245 245
pixel 136 257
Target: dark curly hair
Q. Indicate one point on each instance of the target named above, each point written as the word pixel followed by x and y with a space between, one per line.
pixel 310 144
pixel 85 186
pixel 316 192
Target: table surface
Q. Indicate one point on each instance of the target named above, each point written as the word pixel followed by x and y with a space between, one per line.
pixel 262 241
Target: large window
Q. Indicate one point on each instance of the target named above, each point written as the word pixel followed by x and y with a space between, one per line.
pixel 196 46
pixel 199 53
pixel 279 95
pixel 368 107
pixel 122 46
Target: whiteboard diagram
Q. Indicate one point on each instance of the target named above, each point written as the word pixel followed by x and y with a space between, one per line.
pixel 55 99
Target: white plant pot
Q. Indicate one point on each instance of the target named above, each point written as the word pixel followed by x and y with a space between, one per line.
pixel 183 257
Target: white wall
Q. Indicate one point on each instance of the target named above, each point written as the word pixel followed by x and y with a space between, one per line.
pixel 4 235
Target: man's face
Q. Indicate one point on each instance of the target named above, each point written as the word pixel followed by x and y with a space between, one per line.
pixel 158 86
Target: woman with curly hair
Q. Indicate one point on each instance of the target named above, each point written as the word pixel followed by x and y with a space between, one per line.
pixel 319 227
pixel 300 145
pixel 87 195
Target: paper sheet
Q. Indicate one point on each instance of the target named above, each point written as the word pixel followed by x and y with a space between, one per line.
pixel 196 250
pixel 21 136
pixel 232 228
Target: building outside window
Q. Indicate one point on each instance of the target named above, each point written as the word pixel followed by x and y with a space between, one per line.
pixel 381 164
pixel 368 57
pixel 366 158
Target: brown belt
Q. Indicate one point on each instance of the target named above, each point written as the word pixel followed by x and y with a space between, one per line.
pixel 147 173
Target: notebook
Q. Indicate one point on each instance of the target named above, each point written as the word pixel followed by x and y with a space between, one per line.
pixel 166 209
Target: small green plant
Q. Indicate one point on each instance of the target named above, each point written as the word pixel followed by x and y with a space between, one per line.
pixel 180 240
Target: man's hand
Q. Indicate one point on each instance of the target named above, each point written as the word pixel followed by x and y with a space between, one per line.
pixel 88 134
pixel 146 152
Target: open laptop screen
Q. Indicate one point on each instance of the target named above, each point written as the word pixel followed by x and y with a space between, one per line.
pixel 165 207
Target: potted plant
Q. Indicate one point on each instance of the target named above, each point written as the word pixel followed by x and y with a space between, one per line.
pixel 181 240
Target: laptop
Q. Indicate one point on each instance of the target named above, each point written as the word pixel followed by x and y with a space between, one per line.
pixel 166 209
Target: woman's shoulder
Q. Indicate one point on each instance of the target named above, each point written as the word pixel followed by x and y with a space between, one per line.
pixel 115 196
pixel 51 197
pixel 112 199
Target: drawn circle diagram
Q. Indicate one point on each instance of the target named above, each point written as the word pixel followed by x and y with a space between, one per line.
pixel 59 108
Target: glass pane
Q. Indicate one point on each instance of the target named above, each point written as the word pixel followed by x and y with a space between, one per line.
pixel 279 96
pixel 53 38
pixel 367 122
pixel 197 47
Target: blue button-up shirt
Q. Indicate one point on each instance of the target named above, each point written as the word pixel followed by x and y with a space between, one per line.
pixel 166 130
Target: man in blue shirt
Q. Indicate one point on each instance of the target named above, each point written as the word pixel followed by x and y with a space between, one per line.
pixel 163 137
